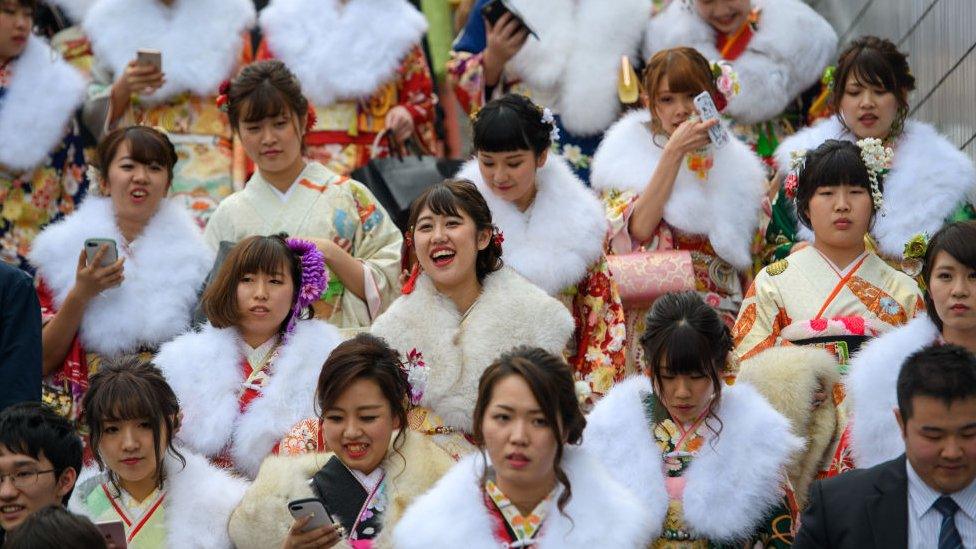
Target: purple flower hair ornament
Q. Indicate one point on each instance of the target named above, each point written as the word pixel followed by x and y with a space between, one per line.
pixel 314 277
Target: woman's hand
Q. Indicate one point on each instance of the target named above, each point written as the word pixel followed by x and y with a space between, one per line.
pixel 319 538
pixel 139 78
pixel 691 135
pixel 91 280
pixel 505 38
pixel 399 121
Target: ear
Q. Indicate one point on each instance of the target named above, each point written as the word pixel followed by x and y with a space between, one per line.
pixel 540 161
pixel 177 423
pixel 66 481
pixel 396 423
pixel 645 101
pixel 484 238
pixel 901 424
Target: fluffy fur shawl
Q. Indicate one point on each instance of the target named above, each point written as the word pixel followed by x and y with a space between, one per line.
pixel 601 512
pixel 560 236
pixel 75 9
pixel 262 519
pixel 577 56
pixel 198 504
pixel 786 55
pixel 510 312
pixel 726 207
pixel 929 178
pixel 40 100
pixel 342 51
pixel 166 268
pixel 731 484
pixel 200 39
pixel 204 370
pixel 872 386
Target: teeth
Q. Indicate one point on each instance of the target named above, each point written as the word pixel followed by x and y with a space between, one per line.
pixel 356 447
pixel 442 253
pixel 11 508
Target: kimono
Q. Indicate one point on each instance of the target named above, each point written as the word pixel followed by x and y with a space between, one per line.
pixel 872 383
pixel 322 204
pixel 700 490
pixel 165 268
pixel 455 348
pixel 235 412
pixel 42 163
pixel 356 61
pixel 931 183
pixel 262 519
pixel 566 260
pixel 781 51
pixel 713 212
pixel 459 512
pixel 572 68
pixel 190 511
pixel 203 43
pixel 806 300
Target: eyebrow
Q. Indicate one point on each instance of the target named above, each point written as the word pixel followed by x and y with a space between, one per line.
pixel 508 408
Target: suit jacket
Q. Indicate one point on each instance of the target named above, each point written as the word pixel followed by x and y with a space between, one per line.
pixel 863 509
pixel 20 337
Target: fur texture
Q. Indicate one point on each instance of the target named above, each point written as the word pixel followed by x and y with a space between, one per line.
pixel 578 54
pixel 200 39
pixel 262 519
pixel 166 268
pixel 928 180
pixel 787 377
pixel 510 312
pixel 726 207
pixel 731 484
pixel 198 504
pixel 601 512
pixel 786 55
pixel 540 244
pixel 342 51
pixel 40 100
pixel 872 391
pixel 75 9
pixel 204 370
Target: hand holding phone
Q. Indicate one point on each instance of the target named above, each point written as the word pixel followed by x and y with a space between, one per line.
pixel 310 507
pixel 93 245
pixel 152 58
pixel 706 109
pixel 114 534
pixel 313 526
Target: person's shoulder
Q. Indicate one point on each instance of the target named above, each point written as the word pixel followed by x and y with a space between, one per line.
pixel 859 482
pixel 10 275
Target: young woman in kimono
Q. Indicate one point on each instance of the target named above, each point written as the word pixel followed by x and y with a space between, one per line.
pixel 202 43
pixel 532 194
pixel 949 276
pixel 146 297
pixel 707 461
pixel 377 466
pixel 573 66
pixel 930 181
pixel 665 187
pixel 363 69
pixel 531 485
pixel 305 199
pixel 249 374
pixel 776 49
pixel 42 174
pixel 463 308
pixel 164 495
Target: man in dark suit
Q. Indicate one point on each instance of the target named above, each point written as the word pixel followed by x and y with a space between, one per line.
pixel 926 497
pixel 20 337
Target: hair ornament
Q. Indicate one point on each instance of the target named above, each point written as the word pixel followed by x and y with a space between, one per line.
pixel 877 159
pixel 798 161
pixel 727 82
pixel 497 236
pixel 829 77
pixel 913 256
pixel 223 96
pixel 549 118
pixel 311 118
pixel 314 277
pixel 417 373
pixel 94 176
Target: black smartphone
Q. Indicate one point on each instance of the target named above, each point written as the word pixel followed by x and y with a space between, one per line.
pixel 494 10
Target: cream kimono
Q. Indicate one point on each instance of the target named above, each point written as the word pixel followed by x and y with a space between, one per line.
pixel 322 204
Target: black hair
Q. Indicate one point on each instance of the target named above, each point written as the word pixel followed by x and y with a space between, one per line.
pixel 33 429
pixel 54 527
pixel 511 123
pixel 875 62
pixel 956 239
pixel 832 164
pixel 946 372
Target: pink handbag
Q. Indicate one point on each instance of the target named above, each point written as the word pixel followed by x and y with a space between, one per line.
pixel 644 276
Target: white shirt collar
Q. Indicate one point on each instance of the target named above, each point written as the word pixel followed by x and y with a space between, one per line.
pixel 924 496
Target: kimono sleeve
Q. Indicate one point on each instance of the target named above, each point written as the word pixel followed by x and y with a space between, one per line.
pixel 618 206
pixel 761 318
pixel 377 245
pixel 600 335
pixel 415 89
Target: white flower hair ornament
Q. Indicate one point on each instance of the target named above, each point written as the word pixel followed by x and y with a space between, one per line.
pixel 94 176
pixel 549 118
pixel 877 159
pixel 798 161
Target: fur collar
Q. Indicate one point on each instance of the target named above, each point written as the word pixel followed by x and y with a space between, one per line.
pixel 786 55
pixel 929 179
pixel 37 106
pixel 198 504
pixel 75 9
pixel 872 384
pixel 578 56
pixel 342 51
pixel 167 266
pixel 743 468
pixel 510 312
pixel 601 512
pixel 200 39
pixel 725 207
pixel 209 395
pixel 539 243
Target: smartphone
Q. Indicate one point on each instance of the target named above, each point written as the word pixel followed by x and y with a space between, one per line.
pixel 92 246
pixel 494 10
pixel 707 111
pixel 150 57
pixel 114 534
pixel 313 507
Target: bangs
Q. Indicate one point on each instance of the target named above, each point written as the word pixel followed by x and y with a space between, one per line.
pixel 263 255
pixel 266 101
pixel 870 68
pixel 845 168
pixel 683 75
pixel 440 201
pixel 682 352
pixel 120 399
pixel 500 130
pixel 147 148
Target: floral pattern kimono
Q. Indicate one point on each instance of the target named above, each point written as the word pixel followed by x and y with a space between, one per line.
pixel 510 527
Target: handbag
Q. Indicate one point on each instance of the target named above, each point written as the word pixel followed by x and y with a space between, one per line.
pixel 397 180
pixel 643 276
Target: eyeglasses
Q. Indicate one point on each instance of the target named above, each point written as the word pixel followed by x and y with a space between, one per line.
pixel 23 479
